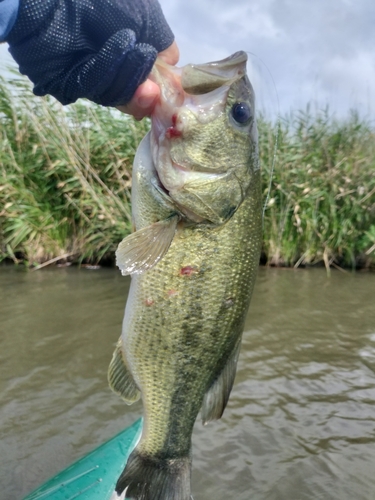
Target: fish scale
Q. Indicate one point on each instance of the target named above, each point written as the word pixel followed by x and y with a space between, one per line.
pixel 181 316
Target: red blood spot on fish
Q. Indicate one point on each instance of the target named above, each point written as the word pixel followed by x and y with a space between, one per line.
pixel 172 131
pixel 229 302
pixel 172 293
pixel 188 270
pixel 149 302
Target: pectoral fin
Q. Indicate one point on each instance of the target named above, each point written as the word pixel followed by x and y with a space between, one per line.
pixel 120 379
pixel 216 398
pixel 143 249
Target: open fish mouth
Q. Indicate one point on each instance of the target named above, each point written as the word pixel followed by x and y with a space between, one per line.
pixel 190 96
pixel 191 126
pixel 171 121
pixel 172 124
pixel 197 79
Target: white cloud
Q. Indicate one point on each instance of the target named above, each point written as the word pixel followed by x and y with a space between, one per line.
pixel 351 80
pixel 234 22
pixel 316 51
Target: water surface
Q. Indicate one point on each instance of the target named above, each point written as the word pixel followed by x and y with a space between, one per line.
pixel 300 424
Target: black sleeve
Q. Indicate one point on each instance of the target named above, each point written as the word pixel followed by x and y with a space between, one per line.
pixel 98 49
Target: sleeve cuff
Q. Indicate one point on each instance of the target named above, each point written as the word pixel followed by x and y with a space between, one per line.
pixel 8 16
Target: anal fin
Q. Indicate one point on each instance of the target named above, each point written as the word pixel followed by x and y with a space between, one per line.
pixel 216 398
pixel 120 379
pixel 142 250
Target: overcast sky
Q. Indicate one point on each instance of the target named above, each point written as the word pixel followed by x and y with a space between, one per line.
pixel 320 51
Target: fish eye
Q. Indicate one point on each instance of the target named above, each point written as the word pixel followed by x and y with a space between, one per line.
pixel 241 113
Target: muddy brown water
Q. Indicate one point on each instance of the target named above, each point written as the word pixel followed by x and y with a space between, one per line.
pixel 300 424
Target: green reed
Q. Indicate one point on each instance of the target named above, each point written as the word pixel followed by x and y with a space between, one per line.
pixel 65 179
pixel 322 202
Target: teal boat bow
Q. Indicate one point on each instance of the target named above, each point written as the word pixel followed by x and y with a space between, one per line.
pixel 94 476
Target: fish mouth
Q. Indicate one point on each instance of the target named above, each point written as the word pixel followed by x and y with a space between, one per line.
pixel 198 79
pixel 199 88
pixel 192 96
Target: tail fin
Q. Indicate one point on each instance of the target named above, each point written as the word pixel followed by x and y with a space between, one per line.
pixel 146 477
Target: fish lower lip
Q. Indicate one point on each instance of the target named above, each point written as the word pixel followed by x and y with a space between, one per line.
pixel 177 166
pixel 199 169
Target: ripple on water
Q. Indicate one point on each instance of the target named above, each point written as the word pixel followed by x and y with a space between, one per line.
pixel 300 423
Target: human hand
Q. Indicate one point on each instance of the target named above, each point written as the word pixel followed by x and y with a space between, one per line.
pixel 147 94
pixel 102 51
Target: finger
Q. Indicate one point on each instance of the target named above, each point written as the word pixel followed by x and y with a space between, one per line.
pixel 171 55
pixel 143 101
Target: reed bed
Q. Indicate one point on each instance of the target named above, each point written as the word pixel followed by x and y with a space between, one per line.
pixel 321 207
pixel 65 179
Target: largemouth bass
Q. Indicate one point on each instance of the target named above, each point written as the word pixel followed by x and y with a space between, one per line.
pixel 196 200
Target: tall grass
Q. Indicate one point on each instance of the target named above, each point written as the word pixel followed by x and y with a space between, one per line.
pixel 65 179
pixel 322 202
